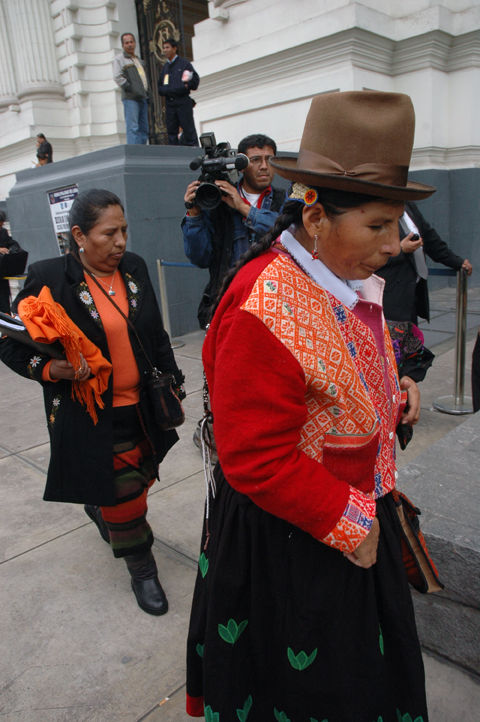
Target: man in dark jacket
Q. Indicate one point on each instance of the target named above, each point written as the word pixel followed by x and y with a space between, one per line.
pixel 178 78
pixel 44 150
pixel 406 291
pixel 216 239
pixel 129 74
pixel 7 245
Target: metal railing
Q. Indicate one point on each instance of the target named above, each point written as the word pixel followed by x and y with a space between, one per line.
pixel 162 284
pixel 456 403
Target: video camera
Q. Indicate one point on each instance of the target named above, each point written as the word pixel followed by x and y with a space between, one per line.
pixel 219 163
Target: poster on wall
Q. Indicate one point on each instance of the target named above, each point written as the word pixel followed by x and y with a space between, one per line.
pixel 60 201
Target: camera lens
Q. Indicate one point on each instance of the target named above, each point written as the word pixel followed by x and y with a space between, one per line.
pixel 208 196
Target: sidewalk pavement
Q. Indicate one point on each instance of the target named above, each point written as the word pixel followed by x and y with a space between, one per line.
pixel 75 645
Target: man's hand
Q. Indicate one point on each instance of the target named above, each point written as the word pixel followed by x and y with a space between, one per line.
pixel 189 197
pixel 408 245
pixel 466 265
pixel 412 415
pixel 3 250
pixel 232 197
pixel 365 555
pixel 64 370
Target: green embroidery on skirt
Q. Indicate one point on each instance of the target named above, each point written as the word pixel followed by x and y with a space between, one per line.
pixel 232 631
pixel 380 641
pixel 211 716
pixel 301 660
pixel 200 648
pixel 203 564
pixel 407 717
pixel 243 713
pixel 280 716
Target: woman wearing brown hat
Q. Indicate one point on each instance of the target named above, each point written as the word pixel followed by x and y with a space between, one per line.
pixel 301 609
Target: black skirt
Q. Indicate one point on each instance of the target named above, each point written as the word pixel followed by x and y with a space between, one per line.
pixel 284 628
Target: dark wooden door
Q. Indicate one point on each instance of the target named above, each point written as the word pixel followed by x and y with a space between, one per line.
pixel 158 20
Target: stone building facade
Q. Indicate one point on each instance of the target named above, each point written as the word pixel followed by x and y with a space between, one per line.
pixel 260 62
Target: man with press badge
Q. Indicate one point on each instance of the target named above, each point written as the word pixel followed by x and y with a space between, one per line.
pixel 178 78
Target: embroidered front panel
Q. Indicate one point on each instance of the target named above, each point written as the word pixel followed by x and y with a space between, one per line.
pixel 375 372
pixel 345 393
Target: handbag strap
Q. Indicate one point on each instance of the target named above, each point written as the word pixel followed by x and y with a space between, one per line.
pixel 130 324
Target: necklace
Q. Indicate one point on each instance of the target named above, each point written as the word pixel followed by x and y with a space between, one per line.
pixel 111 292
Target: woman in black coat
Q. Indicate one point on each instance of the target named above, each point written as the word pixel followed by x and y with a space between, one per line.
pixel 108 465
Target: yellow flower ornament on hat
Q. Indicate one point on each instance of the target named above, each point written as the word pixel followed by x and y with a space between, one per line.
pixel 304 194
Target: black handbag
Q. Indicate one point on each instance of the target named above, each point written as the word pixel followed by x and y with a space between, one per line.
pixel 163 404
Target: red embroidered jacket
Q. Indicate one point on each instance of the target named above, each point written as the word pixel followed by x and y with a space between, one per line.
pixel 305 406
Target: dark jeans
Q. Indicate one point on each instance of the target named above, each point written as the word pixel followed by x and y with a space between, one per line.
pixel 180 116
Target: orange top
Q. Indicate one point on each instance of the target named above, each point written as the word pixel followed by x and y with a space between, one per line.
pixel 126 378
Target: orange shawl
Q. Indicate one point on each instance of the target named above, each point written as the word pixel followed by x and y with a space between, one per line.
pixel 46 321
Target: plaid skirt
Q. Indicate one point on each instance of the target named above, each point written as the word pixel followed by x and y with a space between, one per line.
pixel 284 628
pixel 134 473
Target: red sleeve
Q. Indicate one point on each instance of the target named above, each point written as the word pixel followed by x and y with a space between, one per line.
pixel 258 403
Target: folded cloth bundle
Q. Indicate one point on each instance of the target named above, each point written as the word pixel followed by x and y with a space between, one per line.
pixel 47 321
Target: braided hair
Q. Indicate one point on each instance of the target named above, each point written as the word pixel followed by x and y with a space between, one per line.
pixel 334 202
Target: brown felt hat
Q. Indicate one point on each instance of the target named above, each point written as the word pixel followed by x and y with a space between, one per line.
pixel 360 142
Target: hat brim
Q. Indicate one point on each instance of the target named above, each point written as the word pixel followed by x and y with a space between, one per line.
pixel 287 168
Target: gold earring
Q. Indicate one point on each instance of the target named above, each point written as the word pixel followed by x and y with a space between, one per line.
pixel 315 250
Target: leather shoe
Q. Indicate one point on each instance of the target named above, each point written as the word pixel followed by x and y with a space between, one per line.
pixel 96 516
pixel 150 596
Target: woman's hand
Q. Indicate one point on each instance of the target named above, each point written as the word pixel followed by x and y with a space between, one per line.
pixel 64 370
pixel 412 414
pixel 365 555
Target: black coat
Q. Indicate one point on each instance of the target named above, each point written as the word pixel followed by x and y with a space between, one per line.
pixel 176 91
pixel 81 463
pixel 404 299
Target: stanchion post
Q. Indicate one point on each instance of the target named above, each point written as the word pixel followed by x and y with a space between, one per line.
pixel 460 336
pixel 162 283
pixel 458 403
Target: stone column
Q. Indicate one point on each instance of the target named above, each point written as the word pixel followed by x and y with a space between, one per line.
pixel 29 26
pixel 8 86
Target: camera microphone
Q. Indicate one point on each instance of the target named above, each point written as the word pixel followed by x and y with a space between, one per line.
pixel 241 161
pixel 196 162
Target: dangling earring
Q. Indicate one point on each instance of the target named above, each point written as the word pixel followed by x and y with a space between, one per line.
pixel 315 250
pixel 81 249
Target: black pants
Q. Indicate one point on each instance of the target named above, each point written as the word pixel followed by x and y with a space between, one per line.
pixel 4 295
pixel 179 114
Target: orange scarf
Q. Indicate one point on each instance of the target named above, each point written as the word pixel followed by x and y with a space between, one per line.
pixel 46 321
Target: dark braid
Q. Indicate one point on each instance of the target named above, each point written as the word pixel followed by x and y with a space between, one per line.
pixel 334 203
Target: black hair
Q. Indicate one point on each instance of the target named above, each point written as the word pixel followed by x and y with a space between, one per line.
pixel 334 202
pixel 3 216
pixel 171 41
pixel 124 35
pixel 257 140
pixel 40 135
pixel 86 210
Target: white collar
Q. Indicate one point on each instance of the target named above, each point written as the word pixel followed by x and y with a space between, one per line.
pixel 345 291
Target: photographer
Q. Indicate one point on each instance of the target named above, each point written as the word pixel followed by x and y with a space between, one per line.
pixel 215 239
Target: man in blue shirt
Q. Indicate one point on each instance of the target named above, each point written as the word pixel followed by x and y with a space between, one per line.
pixel 216 239
pixel 178 78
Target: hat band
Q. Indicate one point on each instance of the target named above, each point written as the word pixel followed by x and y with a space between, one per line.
pixel 384 173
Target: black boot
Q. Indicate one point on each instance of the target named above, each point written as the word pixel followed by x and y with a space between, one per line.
pixel 145 584
pixel 96 515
